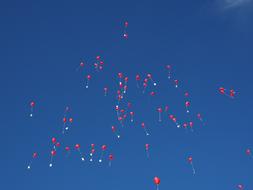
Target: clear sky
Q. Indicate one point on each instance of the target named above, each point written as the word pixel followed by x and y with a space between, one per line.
pixel 207 43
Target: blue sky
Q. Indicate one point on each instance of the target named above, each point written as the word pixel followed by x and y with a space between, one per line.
pixel 208 44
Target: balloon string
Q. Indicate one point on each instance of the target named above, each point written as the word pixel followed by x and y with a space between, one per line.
pixel 147 153
pixel 160 117
pixel 101 156
pixel 193 169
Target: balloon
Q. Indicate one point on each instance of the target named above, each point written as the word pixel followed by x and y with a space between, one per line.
pixel 103 147
pixel 53 153
pixel 110 159
pixel 125 34
pixel 190 161
pixel 144 128
pixel 159 114
pixel 53 140
pixel 34 155
pixel 147 150
pixel 115 132
pixel 240 187
pixel 157 180
pixel 77 147
pixel 32 104
pixel 88 77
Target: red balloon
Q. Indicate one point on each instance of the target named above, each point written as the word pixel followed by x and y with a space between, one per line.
pixel 70 120
pixel 35 155
pixel 110 157
pixel 189 159
pixel 53 152
pixel 32 104
pixel 57 144
pixel 53 140
pixel 103 147
pixel 77 146
pixel 157 180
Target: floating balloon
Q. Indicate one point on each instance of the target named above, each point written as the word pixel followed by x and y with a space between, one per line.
pixel 88 77
pixel 125 34
pixel 137 79
pixel 67 149
pixel 168 67
pixel 187 105
pixel 159 114
pixel 190 161
pixel 77 147
pixel 92 151
pixel 147 150
pixel 81 65
pixel 200 118
pixel 176 83
pixel 157 182
pixel 248 152
pixel 32 104
pixel 149 76
pixel 115 132
pixel 34 156
pixel 110 159
pixel 105 91
pixel 53 153
pixel 240 187
pixel 144 128
pixel 103 148
pixel 132 116
pixel 191 125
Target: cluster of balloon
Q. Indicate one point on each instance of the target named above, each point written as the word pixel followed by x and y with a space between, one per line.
pixel 34 156
pixel 146 82
pixel 144 128
pixel 66 124
pixel 77 147
pixel 174 119
pixel 125 34
pixel 110 159
pixel 103 148
pixel 157 182
pixel 147 150
pixel 32 104
pixel 248 153
pixel 240 187
pixel 92 151
pixel 230 94
pixel 190 161
pixel 98 65
pixel 115 132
